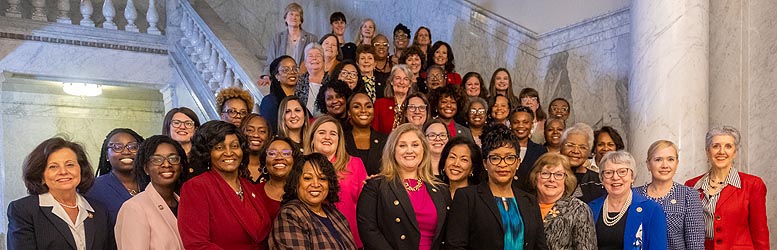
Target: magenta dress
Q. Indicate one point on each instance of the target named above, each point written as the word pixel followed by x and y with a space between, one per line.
pixel 425 214
pixel 351 183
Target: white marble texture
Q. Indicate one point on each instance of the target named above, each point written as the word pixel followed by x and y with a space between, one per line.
pixel 668 88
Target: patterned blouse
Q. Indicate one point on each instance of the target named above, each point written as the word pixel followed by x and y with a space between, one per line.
pixel 684 217
pixel 570 225
pixel 296 227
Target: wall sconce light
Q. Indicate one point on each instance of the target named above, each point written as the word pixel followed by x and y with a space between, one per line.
pixel 82 89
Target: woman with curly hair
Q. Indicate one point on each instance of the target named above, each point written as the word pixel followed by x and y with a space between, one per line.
pixel 331 100
pixel 219 207
pixel 276 158
pixel 234 104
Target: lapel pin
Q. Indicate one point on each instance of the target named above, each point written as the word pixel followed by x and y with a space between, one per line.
pixel 639 209
pixel 376 141
pixel 673 201
pixel 161 207
pixel 90 215
pixel 253 195
pixel 396 203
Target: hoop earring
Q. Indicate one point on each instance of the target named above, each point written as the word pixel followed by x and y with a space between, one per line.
pixel 263 170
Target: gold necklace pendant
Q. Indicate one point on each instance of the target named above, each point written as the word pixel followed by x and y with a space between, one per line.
pixel 414 188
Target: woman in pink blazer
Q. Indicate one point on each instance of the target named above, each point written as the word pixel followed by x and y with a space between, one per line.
pixel 148 220
pixel 326 136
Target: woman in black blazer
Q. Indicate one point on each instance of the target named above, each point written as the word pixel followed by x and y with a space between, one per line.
pixel 480 213
pixel 405 207
pixel 362 112
pixel 56 174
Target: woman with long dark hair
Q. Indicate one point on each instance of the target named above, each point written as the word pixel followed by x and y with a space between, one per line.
pixel 115 182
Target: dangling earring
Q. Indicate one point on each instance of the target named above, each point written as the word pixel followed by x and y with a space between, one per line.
pixel 263 170
pixel 471 174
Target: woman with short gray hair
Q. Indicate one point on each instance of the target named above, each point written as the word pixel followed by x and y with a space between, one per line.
pixel 576 144
pixel 388 110
pixel 734 203
pixel 625 219
pixel 309 83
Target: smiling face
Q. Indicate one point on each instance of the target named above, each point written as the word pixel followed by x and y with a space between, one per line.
pixel 435 78
pixel 551 188
pixel 401 39
pixel 559 109
pixel 722 151
pixel 502 173
pixel 553 132
pixel 279 159
pixel 314 60
pixel 409 151
pixel 447 107
pixel 423 37
pixel 225 156
pixel 165 174
pixel 349 75
pixel 521 125
pixel 287 72
pixel 472 85
pixel 663 164
pixel 531 102
pixel 62 173
pixel 122 161
pixel 576 148
pixel 437 135
pixel 182 133
pixel 501 81
pixel 416 111
pixel 338 27
pixel 366 62
pixel 330 47
pixel 234 111
pixel 294 115
pixel 325 139
pixel 458 165
pixel 500 110
pixel 313 186
pixel 361 111
pixel 256 133
pixel 381 47
pixel 335 103
pixel 368 29
pixel 477 115
pixel 441 56
pixel 400 83
pixel 293 19
pixel 617 185
pixel 414 63
pixel 604 144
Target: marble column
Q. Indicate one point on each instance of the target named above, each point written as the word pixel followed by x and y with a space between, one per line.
pixel 668 87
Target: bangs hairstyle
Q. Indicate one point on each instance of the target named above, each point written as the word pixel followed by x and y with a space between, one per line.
pixel 167 124
pixel 295 154
pixel 103 165
pixel 450 64
pixel 339 55
pixel 335 74
pixel 448 90
pixel 475 158
pixel 497 136
pixel 147 150
pixel 403 28
pixel 389 165
pixel 614 135
pixel 283 130
pixel 206 138
pixel 321 165
pixel 337 16
pixel 294 7
pixel 720 131
pixel 554 159
pixel 431 122
pixel 407 102
pixel 531 92
pixel 659 145
pixel 476 75
pixel 234 93
pixel 360 38
pixel 618 157
pixel 341 156
pixel 413 51
pixel 336 85
pixel 36 162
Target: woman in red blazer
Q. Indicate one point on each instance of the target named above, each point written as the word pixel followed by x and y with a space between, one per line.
pixel 388 110
pixel 220 208
pixel 734 203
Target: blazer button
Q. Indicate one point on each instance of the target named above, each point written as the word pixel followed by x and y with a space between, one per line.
pixel 396 203
pixel 447 207
pixel 717 230
pixel 402 237
pixel 397 220
pixel 717 217
pixel 191 170
pixel 719 241
pixel 434 190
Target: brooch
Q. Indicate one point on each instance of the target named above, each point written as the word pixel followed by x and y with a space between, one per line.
pixel 552 213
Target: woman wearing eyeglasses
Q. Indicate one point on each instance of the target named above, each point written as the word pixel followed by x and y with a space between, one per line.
pixel 234 104
pixel 283 74
pixel 437 136
pixel 568 221
pixel 625 219
pixel 348 72
pixel 531 98
pixel 149 220
pixel 277 159
pixel 116 181
pixel 388 110
pixel 476 117
pixel 417 110
pixel 382 61
pixel 179 124
pixel 495 214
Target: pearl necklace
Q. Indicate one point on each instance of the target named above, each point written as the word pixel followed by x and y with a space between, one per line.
pixel 611 221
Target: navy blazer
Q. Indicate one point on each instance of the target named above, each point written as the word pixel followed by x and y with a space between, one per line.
pixel 474 221
pixel 109 191
pixel 387 219
pixel 31 226
pixel 645 222
pixel 533 152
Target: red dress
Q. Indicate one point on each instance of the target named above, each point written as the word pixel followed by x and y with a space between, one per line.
pixel 384 115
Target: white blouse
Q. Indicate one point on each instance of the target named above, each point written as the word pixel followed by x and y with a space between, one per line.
pixel 77 229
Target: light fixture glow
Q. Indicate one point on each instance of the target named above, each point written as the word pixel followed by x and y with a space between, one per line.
pixel 82 89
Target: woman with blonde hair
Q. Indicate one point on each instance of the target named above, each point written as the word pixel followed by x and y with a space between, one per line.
pixel 568 221
pixel 684 218
pixel 326 136
pixel 366 32
pixel 405 206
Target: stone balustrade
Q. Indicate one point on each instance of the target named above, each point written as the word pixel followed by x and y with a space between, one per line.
pixel 84 14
